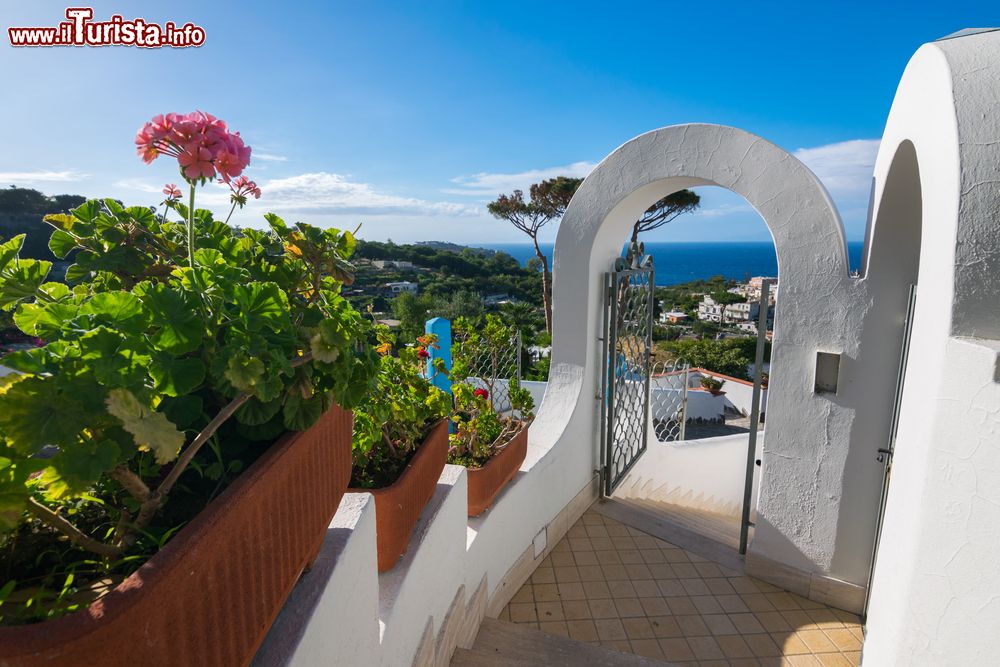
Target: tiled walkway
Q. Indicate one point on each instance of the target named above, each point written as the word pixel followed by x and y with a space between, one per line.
pixel 610 584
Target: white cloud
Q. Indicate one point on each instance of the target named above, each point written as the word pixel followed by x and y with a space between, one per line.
pixel 138 185
pixel 845 168
pixel 268 157
pixel 41 176
pixel 323 192
pixel 491 185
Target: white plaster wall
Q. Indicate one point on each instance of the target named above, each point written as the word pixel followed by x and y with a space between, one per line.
pixel 807 470
pixel 936 585
pixel 705 474
pixel 701 404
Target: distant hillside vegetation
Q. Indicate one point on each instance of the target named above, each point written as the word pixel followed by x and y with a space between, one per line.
pixel 21 212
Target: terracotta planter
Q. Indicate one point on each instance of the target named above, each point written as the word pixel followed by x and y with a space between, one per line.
pixel 485 483
pixel 210 596
pixel 398 506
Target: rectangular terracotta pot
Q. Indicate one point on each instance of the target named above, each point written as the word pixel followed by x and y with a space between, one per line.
pixel 487 482
pixel 210 595
pixel 399 505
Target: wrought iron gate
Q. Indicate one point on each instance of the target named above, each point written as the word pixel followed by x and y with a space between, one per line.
pixel 668 398
pixel 628 341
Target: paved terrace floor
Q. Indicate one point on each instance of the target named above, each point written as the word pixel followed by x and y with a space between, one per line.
pixel 612 585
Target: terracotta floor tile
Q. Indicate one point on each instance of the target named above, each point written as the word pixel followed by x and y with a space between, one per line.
pixel 692 626
pixel 617 530
pixel 685 570
pixel 614 572
pixel 590 572
pixel 833 660
pixel 630 556
pixel 678 556
pixel 744 662
pixel 566 574
pixel 719 624
pixel 576 610
pixel 720 586
pixel 638 571
pixel 570 591
pixel 543 575
pixel 706 604
pixel 733 646
pixel 542 593
pixel 665 626
pixel 854 657
pixel 825 618
pixel 646 588
pixel 580 544
pixel 597 530
pixel 675 649
pixel 789 643
pixel 524 595
pixel 802 661
pixel 638 628
pixel 610 628
pixel 681 606
pixel 652 556
pixel 743 585
pixel 695 587
pixel 562 559
pixel 799 619
pixel 602 609
pixel 747 623
pixel 554 628
pixel 644 541
pixel 654 606
pixel 670 587
pixel 705 648
pixel 713 663
pixel 582 630
pixel 649 648
pixel 773 621
pixel 602 543
pixel 549 611
pixel 762 645
pixel 629 607
pixel 843 639
pixel 765 587
pixel 732 604
pixel 781 600
pixel 522 612
pixel 608 557
pixel 591 518
pixel 662 571
pixel 707 570
pixel 817 641
pixel 622 589
pixel 622 645
pixel 756 602
pixel 695 558
pixel 847 617
pixel 585 558
pixel 595 590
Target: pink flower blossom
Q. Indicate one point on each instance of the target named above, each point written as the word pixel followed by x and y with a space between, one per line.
pixel 241 187
pixel 172 191
pixel 202 144
pixel 423 354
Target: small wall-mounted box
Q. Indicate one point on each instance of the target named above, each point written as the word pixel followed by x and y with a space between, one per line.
pixel 827 372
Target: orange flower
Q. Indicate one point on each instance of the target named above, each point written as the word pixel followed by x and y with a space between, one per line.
pixel 384 349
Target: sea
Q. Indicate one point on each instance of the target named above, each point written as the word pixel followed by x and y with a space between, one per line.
pixel 677 263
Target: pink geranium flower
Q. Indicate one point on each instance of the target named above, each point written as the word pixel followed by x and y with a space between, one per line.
pixel 202 144
pixel 172 191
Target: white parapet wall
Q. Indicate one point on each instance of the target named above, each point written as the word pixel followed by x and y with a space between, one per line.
pixel 706 474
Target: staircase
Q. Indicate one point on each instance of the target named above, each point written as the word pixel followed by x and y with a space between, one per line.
pixel 502 644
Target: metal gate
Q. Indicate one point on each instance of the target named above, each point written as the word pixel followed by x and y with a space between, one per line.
pixel 628 341
pixel 668 398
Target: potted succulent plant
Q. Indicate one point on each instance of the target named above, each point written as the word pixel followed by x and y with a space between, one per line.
pixel 194 379
pixel 492 411
pixel 400 443
pixel 712 385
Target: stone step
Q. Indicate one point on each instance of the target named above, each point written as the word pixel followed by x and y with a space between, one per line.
pixel 513 645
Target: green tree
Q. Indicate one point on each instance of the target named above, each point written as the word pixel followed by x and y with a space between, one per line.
pixel 665 210
pixel 731 356
pixel 548 201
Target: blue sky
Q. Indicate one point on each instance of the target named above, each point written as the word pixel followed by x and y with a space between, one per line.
pixel 409 117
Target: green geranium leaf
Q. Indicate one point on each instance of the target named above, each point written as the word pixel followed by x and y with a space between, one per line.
pixel 44 320
pixel 184 411
pixel 176 314
pixel 151 430
pixel 112 357
pixel 75 469
pixel 23 280
pixel 255 412
pixel 301 413
pixel 176 377
pixel 10 249
pixel 38 411
pixel 117 308
pixel 261 304
pixel 61 243
pixel 87 211
pixel 244 373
